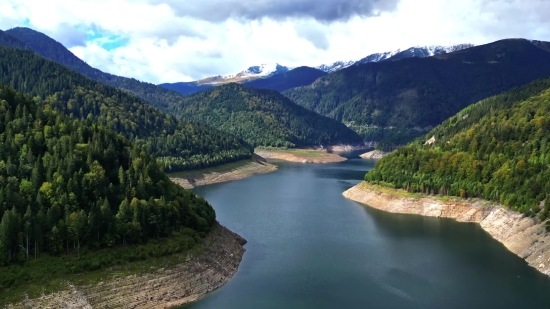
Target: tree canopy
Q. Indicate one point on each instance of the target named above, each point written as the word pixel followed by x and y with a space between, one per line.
pixel 181 145
pixel 67 183
pixel 496 149
pixel 262 117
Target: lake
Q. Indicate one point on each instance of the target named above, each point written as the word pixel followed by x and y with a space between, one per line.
pixel 309 247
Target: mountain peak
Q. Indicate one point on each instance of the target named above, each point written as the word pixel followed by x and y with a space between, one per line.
pixel 415 51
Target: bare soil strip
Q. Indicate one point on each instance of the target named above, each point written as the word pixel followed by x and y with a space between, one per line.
pixel 159 288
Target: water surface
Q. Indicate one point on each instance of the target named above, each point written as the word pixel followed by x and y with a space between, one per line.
pixel 309 247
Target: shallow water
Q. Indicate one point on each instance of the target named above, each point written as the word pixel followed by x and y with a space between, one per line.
pixel 309 247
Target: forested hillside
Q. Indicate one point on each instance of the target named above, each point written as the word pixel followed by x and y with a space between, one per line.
pixel 186 88
pixel 413 94
pixel 49 48
pixel 67 184
pixel 263 118
pixel 496 149
pixel 297 77
pixel 180 145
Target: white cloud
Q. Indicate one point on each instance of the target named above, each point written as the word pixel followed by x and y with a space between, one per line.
pixel 166 43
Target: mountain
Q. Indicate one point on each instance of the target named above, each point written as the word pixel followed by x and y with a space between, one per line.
pixel 414 52
pixel 412 95
pixel 496 149
pixel 263 118
pixel 68 184
pixel 297 77
pixel 180 145
pixel 255 75
pixel 186 88
pixel 252 73
pixel 333 67
pixel 49 48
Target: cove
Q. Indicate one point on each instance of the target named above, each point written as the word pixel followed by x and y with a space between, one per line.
pixel 309 247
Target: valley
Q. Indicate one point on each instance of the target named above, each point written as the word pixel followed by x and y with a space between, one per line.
pixel 410 177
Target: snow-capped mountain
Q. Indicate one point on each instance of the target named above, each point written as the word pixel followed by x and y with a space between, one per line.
pixel 338 65
pixel 253 72
pixel 270 69
pixel 417 51
pixel 427 51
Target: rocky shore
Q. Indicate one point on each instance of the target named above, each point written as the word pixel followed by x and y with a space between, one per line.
pixel 160 288
pixel 526 237
pixel 301 155
pixel 256 166
pixel 375 154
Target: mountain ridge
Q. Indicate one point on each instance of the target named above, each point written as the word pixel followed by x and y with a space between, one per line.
pixel 421 92
pixel 255 74
pixel 263 118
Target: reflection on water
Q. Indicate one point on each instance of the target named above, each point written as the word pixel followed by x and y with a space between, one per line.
pixel 309 247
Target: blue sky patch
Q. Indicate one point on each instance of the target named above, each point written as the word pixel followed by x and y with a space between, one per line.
pixel 108 42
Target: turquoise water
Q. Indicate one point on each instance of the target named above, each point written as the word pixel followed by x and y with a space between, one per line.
pixel 309 247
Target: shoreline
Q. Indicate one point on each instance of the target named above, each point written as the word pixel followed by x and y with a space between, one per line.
pixel 301 155
pixel 227 172
pixel 524 236
pixel 374 154
pixel 160 288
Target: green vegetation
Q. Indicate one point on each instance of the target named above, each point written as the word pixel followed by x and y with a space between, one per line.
pixel 262 118
pixel 67 186
pixel 180 145
pixel 411 94
pixel 49 273
pixel 496 149
pixel 216 169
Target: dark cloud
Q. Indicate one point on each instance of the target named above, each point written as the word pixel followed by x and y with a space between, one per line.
pixel 320 10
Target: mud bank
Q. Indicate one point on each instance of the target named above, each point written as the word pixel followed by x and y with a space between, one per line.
pixel 375 154
pixel 524 236
pixel 301 155
pixel 160 288
pixel 256 166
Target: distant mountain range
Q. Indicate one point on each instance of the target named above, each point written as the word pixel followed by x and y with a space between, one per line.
pixel 418 93
pixel 253 75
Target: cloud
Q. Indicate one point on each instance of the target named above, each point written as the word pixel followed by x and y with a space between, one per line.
pixel 170 41
pixel 324 11
pixel 315 34
pixel 68 35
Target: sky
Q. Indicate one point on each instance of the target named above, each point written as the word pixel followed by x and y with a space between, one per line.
pixel 184 40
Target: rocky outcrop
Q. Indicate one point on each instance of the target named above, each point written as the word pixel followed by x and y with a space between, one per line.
pixel 160 288
pixel 527 237
pixel 374 154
